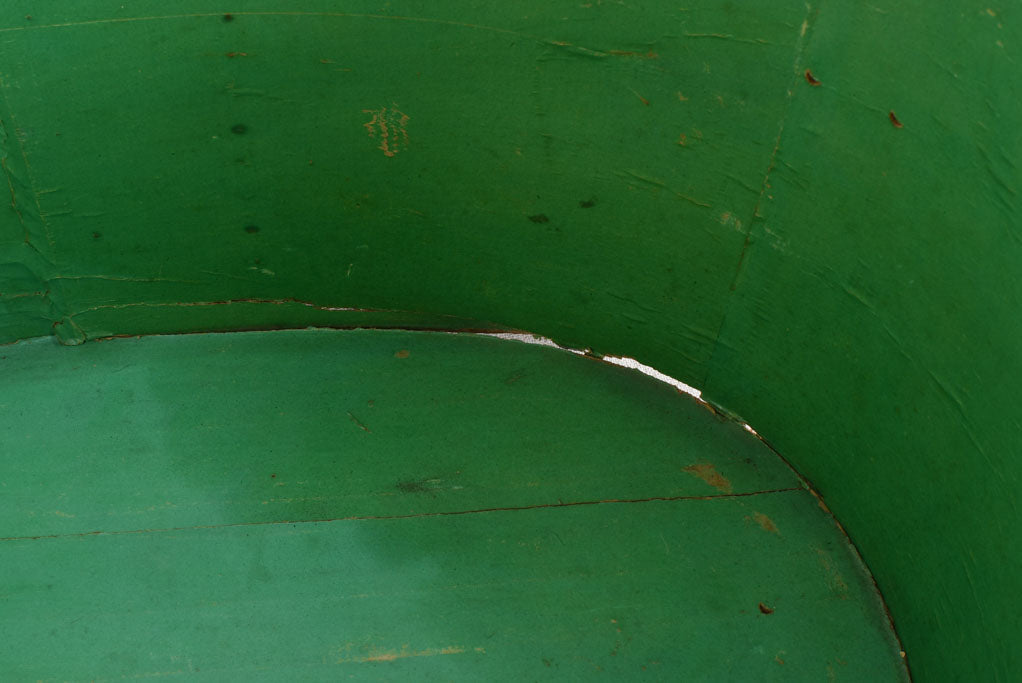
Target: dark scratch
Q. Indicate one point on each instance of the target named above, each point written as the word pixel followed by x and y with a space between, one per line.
pixel 450 513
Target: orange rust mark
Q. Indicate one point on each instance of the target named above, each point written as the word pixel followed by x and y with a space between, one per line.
pixel 810 79
pixel 710 475
pixel 403 353
pixel 895 121
pixel 681 139
pixel 682 98
pixel 390 125
pixel 766 523
pixel 765 610
pixel 237 54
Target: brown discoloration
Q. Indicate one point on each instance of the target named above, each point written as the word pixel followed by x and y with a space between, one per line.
pixel 766 523
pixel 834 578
pixel 895 121
pixel 539 218
pixel 765 610
pixel 810 79
pixel 403 353
pixel 710 475
pixel 237 54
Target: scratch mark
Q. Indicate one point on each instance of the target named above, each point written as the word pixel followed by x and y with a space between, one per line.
pixel 28 170
pixel 641 98
pixel 124 279
pixel 727 36
pixel 359 423
pixel 656 182
pixel 377 655
pixel 419 515
pixel 199 15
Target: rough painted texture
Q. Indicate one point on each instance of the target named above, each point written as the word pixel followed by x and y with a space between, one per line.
pixel 810 211
pixel 396 505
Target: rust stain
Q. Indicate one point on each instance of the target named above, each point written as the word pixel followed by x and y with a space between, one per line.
pixel 766 523
pixel 895 121
pixel 682 98
pixel 810 79
pixel 765 610
pixel 710 475
pixel 390 127
pixel 403 353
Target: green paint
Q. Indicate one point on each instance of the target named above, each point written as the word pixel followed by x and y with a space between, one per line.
pixel 646 179
pixel 392 504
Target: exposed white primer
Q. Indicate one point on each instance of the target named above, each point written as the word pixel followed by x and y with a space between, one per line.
pixel 623 361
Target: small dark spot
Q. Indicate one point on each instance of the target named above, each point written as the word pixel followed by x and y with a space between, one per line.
pixel 764 609
pixel 239 129
pixel 547 662
pixel 96 235
pixel 415 486
pixel 809 78
pixel 539 218
pixel 228 17
pixel 29 17
pixel 251 229
pixel 895 121
pixel 273 476
pixel 587 204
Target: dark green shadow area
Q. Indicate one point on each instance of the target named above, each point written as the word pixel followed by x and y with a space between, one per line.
pixel 402 505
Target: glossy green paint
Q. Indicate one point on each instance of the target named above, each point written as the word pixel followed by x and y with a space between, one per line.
pixel 383 504
pixel 659 181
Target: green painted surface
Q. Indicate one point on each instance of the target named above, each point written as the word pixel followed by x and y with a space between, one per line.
pixel 641 178
pixel 472 522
